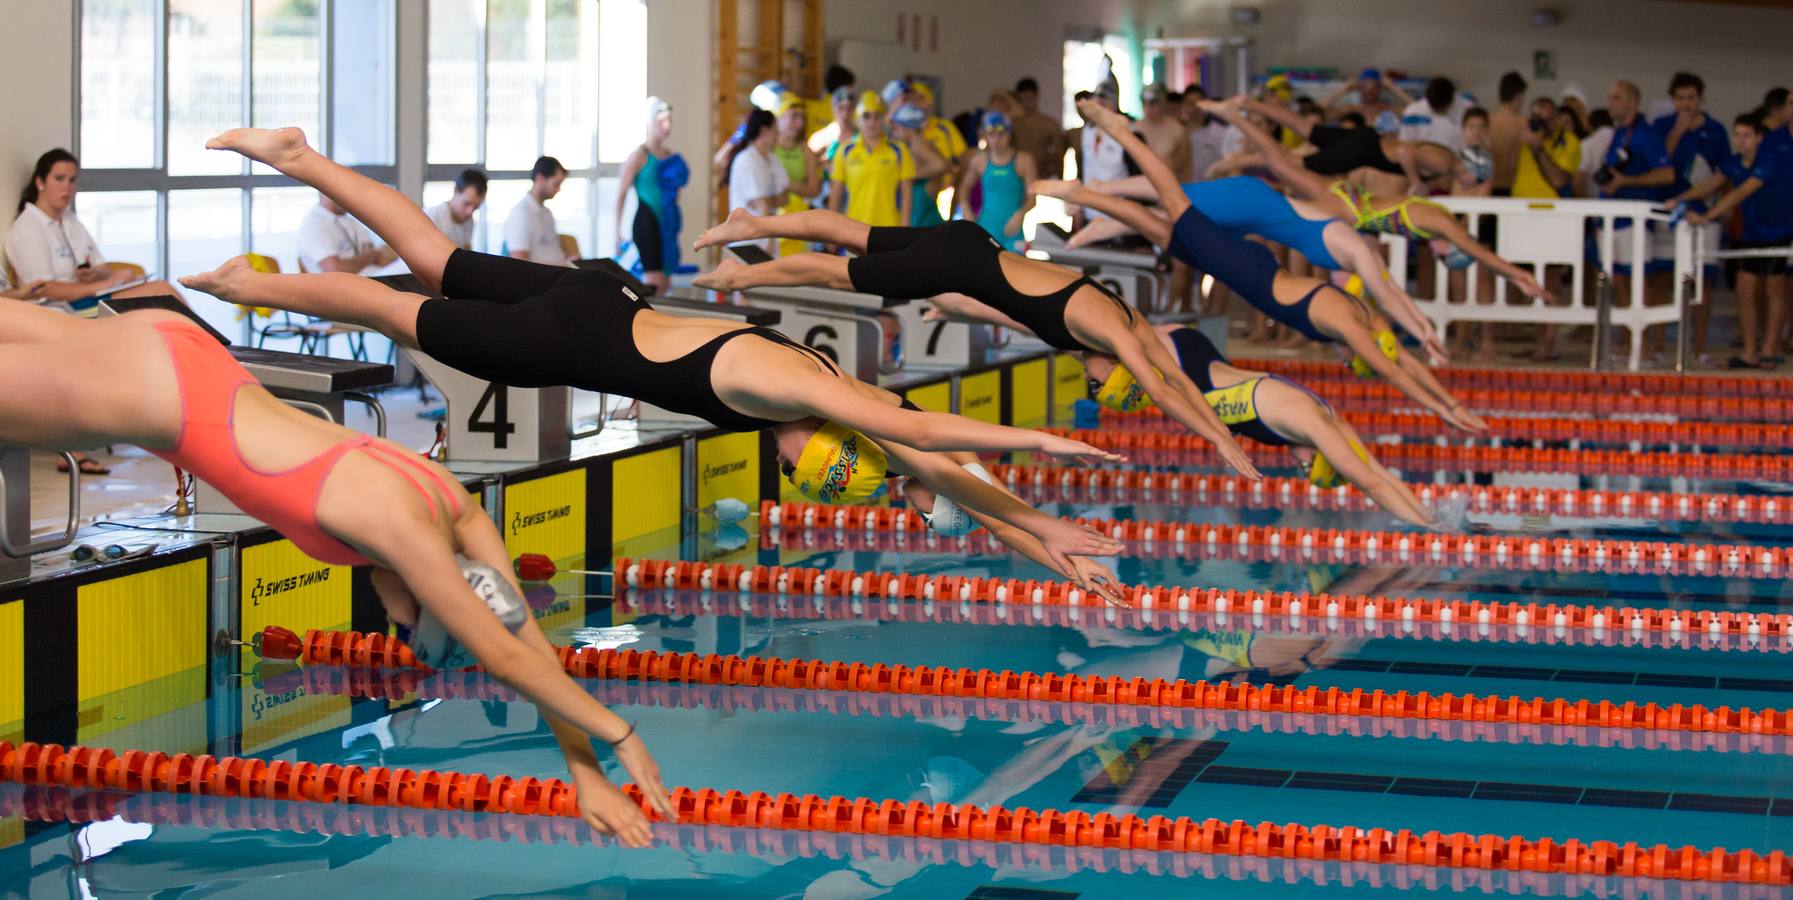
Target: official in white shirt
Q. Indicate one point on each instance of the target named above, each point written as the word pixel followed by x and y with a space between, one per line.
pixel 454 216
pixel 530 232
pixel 49 244
pixel 330 240
pixel 757 182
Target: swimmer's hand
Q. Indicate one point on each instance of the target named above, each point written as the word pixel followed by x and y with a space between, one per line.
pixel 1530 287
pixel 1460 417
pixel 1435 351
pixel 1075 451
pixel 1236 459
pixel 609 811
pixel 1096 579
pixel 1063 540
pixel 1102 117
pixel 1054 187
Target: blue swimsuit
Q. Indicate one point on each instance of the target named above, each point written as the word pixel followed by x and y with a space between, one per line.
pixel 1245 267
pixel 1244 205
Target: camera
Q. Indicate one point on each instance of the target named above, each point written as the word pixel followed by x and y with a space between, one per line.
pixel 1621 159
pixel 1538 124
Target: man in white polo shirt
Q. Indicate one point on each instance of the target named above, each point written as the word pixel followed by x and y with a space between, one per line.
pixel 454 216
pixel 330 240
pixel 530 232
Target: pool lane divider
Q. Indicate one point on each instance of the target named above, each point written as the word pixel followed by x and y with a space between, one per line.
pixel 230 776
pixel 350 648
pixel 1183 448
pixel 1299 493
pixel 1150 538
pixel 60 805
pixel 1524 428
pixel 400 685
pixel 1579 382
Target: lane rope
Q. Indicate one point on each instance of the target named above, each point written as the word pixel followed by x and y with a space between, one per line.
pixel 1525 428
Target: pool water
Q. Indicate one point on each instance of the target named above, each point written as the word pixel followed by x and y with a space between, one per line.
pixel 1731 791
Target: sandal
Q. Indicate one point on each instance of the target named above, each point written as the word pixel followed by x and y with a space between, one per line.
pixel 88 466
pixel 1738 362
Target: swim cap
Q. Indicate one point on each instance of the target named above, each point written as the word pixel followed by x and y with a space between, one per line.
pixel 947 518
pixel 765 94
pixel 1121 392
pixel 1456 260
pixel 430 640
pixel 921 89
pixel 909 116
pixel 1279 84
pixel 1370 75
pixel 994 120
pixel 1391 348
pixel 893 91
pixel 869 103
pixel 839 465
pixel 841 95
pixel 1322 473
pixel 1354 286
pixel 1388 123
pixel 656 107
pixel 788 101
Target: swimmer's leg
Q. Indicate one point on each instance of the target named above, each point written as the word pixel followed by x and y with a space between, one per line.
pixel 801 269
pixel 391 215
pixel 820 226
pixel 335 296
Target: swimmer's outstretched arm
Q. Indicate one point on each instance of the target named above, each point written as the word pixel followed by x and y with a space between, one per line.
pixel 391 215
pixel 1445 225
pixel 524 662
pixel 1357 254
pixel 1460 415
pixel 1159 374
pixel 1282 163
pixel 1321 431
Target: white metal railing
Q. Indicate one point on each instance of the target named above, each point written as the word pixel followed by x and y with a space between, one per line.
pixel 1537 234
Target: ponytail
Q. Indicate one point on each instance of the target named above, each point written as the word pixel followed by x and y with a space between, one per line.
pixel 45 163
pixel 757 122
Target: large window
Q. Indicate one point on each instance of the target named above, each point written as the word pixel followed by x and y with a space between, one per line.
pixel 151 192
pixel 514 80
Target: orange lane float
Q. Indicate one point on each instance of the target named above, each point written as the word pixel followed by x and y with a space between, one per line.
pixel 1148 539
pixel 1297 493
pixel 1379 421
pixel 1580 382
pixel 253 778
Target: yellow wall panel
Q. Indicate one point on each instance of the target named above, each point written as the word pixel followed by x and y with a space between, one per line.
pixel 1067 387
pixel 980 397
pixel 1027 394
pixel 728 465
pixel 932 397
pixel 645 497
pixel 283 586
pixel 547 516
pixel 140 646
pixel 12 669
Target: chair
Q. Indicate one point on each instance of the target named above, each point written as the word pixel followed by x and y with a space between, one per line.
pixel 135 270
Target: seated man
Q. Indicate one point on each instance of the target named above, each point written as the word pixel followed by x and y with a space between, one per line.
pixel 530 232
pixel 330 240
pixel 454 216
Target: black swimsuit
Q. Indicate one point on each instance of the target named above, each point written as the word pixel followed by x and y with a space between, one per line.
pixel 961 257
pixel 534 325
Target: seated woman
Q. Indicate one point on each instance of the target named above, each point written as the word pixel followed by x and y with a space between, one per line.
pixel 963 270
pixel 529 325
pixel 48 243
pixel 1271 410
pixel 1308 305
pixel 158 380
pixel 1244 205
pixel 1379 213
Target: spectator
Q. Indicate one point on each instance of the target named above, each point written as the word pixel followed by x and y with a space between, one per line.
pixel 1475 176
pixel 1436 117
pixel 909 129
pixel 1593 151
pixel 1207 135
pixel 1037 134
pixel 1637 168
pixel 999 175
pixel 654 173
pixel 1549 154
pixel 1576 100
pixel 1474 179
pixel 844 125
pixel 1697 146
pixel 1761 185
pixel 1506 128
pixel 454 216
pixel 530 232
pixel 948 143
pixel 756 181
pixel 49 244
pixel 871 175
pixel 801 167
pixel 1370 102
pixel 816 112
pixel 331 240
pixel 1777 117
pixel 1163 130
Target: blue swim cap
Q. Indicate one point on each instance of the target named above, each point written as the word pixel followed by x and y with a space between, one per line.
pixel 909 116
pixel 893 91
pixel 1370 75
pixel 765 95
pixel 994 120
pixel 1388 123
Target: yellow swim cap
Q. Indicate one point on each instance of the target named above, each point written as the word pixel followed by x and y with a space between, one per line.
pixel 1121 392
pixel 788 101
pixel 1279 84
pixel 1323 474
pixel 921 89
pixel 869 102
pixel 1354 286
pixel 1391 348
pixel 839 465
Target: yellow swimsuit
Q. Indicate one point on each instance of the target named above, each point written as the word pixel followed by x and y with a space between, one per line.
pixel 1396 219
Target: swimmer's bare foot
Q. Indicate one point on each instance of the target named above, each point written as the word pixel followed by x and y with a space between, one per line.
pixel 739 227
pixel 725 277
pixel 1101 116
pixel 277 147
pixel 227 282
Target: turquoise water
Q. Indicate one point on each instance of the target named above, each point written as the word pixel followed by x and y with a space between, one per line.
pixel 1591 784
